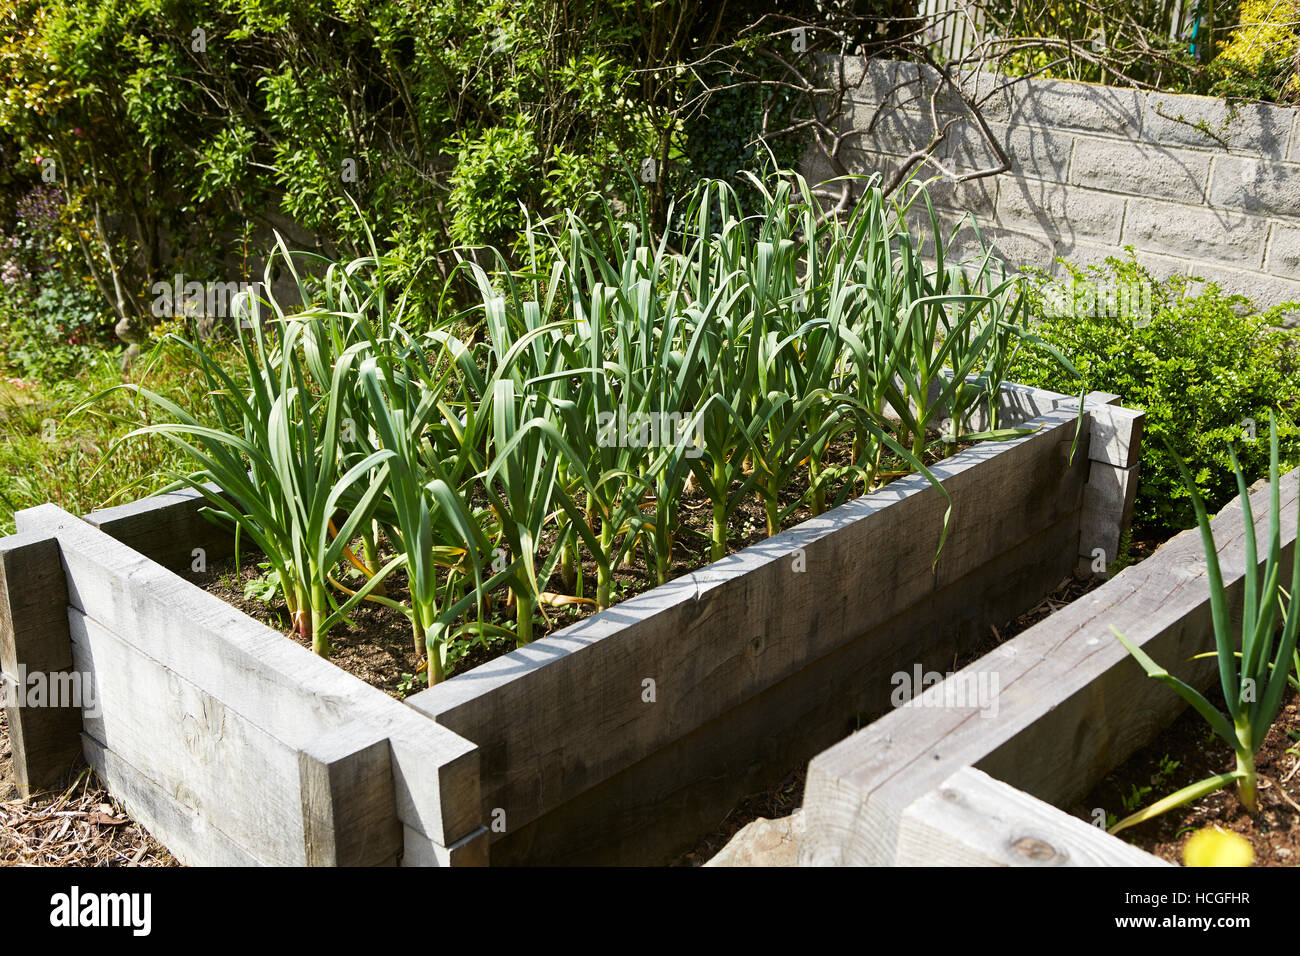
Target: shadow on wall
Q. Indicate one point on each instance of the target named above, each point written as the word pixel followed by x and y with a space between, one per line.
pixel 1196 186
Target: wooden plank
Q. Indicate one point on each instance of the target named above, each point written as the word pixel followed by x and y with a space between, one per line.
pixel 418 850
pixel 1117 435
pixel 170 529
pixel 35 652
pixel 656 809
pixel 218 763
pixel 1019 404
pixel 569 711
pixel 185 831
pixel 348 801
pixel 975 820
pixel 269 679
pixel 1072 705
pixel 1108 500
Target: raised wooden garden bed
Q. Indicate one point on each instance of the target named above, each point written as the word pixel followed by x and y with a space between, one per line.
pixel 941 784
pixel 619 739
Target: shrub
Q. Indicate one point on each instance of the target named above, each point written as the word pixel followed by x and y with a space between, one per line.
pixel 1262 57
pixel 1205 366
pixel 52 320
pixel 173 129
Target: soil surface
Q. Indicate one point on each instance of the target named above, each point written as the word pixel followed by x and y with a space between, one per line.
pixel 75 824
pixel 1189 751
pixel 780 801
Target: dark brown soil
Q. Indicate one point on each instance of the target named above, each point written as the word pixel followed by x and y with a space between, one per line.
pixel 1067 592
pixel 1187 752
pixel 779 801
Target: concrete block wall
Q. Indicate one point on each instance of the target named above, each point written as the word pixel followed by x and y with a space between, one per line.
pixel 1195 185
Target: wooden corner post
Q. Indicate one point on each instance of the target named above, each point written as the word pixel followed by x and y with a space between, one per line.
pixel 39 685
pixel 1114 454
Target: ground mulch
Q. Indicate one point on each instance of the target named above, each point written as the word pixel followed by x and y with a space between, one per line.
pixel 75 824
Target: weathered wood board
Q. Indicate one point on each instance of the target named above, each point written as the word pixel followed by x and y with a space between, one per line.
pixel 170 529
pixel 657 808
pixel 242 675
pixel 1072 703
pixel 972 819
pixel 584 707
pixel 39 688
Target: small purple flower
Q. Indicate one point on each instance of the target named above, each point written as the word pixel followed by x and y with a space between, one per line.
pixel 39 209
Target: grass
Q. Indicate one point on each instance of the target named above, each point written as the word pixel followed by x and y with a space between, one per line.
pixel 47 457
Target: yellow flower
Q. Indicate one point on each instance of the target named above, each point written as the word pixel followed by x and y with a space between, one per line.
pixel 1215 847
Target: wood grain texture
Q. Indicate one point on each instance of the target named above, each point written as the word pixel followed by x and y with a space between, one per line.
pixel 235 774
pixel 267 679
pixel 1019 404
pixel 348 802
pixel 1072 705
pixel 1116 434
pixel 187 833
pixel 972 819
pixel 34 645
pixel 713 640
pixel 656 809
pixel 1108 500
pixel 473 850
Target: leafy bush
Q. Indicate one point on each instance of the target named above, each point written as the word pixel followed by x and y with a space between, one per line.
pixel 1262 57
pixel 1205 366
pixel 52 320
pixel 1245 50
pixel 174 129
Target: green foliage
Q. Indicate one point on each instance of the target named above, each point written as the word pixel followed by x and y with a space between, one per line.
pixel 1086 40
pixel 606 374
pixel 724 140
pixel 52 321
pixel 265 587
pixel 1206 368
pixel 55 334
pixel 49 455
pixel 1253 679
pixel 1261 59
pixel 176 128
pixel 494 174
pixel 1243 50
